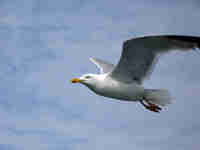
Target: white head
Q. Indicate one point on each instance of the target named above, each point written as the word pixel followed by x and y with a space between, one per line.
pixel 87 79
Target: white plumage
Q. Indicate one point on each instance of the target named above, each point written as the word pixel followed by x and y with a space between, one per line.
pixel 139 56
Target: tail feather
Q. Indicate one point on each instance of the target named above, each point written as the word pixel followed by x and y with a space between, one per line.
pixel 158 96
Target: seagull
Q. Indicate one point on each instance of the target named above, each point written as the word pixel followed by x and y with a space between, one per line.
pixel 138 58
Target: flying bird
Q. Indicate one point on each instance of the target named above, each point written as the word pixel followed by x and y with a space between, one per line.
pixel 139 56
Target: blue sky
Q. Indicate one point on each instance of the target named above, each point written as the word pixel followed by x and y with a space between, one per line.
pixel 46 43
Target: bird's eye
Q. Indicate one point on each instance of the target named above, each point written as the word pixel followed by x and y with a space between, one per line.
pixel 87 77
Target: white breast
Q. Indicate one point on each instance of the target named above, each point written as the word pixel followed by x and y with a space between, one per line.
pixel 109 87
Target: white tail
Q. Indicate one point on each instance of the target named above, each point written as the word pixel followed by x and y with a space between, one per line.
pixel 158 96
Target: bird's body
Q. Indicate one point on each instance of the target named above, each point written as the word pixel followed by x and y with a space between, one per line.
pixel 115 89
pixel 125 80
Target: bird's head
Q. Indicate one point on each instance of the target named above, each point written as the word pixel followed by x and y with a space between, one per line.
pixel 86 79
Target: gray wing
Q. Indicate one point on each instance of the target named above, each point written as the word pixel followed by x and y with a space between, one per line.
pixel 139 55
pixel 102 65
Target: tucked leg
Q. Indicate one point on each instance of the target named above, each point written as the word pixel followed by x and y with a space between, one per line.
pixel 151 106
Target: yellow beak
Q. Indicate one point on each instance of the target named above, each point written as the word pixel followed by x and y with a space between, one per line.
pixel 76 80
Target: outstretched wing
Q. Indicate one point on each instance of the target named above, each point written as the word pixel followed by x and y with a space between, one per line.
pixel 102 65
pixel 140 54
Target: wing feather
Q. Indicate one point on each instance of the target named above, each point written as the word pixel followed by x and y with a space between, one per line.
pixel 139 55
pixel 102 65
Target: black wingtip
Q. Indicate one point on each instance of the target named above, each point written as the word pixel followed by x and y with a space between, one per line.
pixel 192 39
